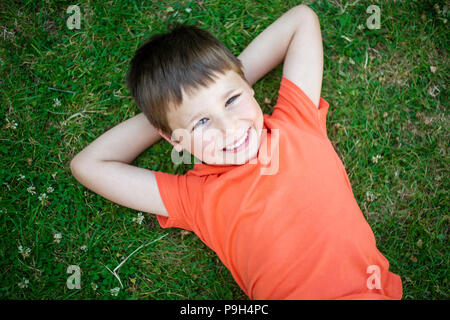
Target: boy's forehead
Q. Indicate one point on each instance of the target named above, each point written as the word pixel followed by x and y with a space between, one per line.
pixel 216 89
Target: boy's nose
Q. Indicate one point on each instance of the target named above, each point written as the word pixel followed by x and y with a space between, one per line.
pixel 230 129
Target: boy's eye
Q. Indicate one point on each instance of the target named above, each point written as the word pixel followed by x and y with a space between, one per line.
pixel 232 99
pixel 199 123
pixel 226 104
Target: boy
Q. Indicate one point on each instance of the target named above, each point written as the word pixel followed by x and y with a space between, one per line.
pixel 294 232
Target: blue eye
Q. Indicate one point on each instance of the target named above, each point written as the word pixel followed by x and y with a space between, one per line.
pixel 232 99
pixel 199 123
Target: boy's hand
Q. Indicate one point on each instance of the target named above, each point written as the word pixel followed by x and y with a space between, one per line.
pixel 295 38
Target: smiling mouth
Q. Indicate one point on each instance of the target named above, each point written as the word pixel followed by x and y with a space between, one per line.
pixel 240 144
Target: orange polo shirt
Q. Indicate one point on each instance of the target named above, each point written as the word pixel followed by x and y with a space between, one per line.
pixel 293 231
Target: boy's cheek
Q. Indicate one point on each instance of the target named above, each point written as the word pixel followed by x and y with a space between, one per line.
pixel 209 145
pixel 209 149
pixel 247 109
pixel 201 145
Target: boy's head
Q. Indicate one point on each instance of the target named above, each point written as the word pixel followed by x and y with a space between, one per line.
pixel 194 92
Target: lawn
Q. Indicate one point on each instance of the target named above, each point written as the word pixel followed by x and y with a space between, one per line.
pixel 61 88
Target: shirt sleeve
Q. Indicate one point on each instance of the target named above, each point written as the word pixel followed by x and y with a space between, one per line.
pixel 182 197
pixel 295 107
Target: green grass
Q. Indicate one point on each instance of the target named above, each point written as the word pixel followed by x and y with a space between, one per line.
pixel 387 120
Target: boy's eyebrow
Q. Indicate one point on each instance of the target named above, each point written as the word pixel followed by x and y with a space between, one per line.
pixel 198 113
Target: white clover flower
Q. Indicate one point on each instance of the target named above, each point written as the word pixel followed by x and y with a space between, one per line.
pixel 57 237
pixel 115 291
pixel 42 197
pixel 24 252
pixel 376 158
pixel 139 218
pixel 434 91
pixel 370 196
pixel 31 190
pixel 56 102
pixel 21 176
pixel 24 283
pixel 50 189
pixel 84 248
pixel 10 125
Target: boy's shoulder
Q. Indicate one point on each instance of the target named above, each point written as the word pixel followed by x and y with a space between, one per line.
pixel 297 110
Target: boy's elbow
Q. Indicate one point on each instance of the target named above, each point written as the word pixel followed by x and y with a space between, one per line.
pixel 72 165
pixel 81 170
pixel 304 10
pixel 76 164
pixel 304 15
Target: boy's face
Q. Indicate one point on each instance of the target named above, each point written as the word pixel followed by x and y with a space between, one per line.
pixel 220 124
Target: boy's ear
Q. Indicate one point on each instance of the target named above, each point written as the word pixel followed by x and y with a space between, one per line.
pixel 176 145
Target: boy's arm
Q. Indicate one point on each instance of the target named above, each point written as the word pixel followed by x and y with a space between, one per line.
pixel 104 166
pixel 122 143
pixel 295 37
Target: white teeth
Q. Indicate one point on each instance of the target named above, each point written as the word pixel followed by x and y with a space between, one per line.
pixel 238 144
